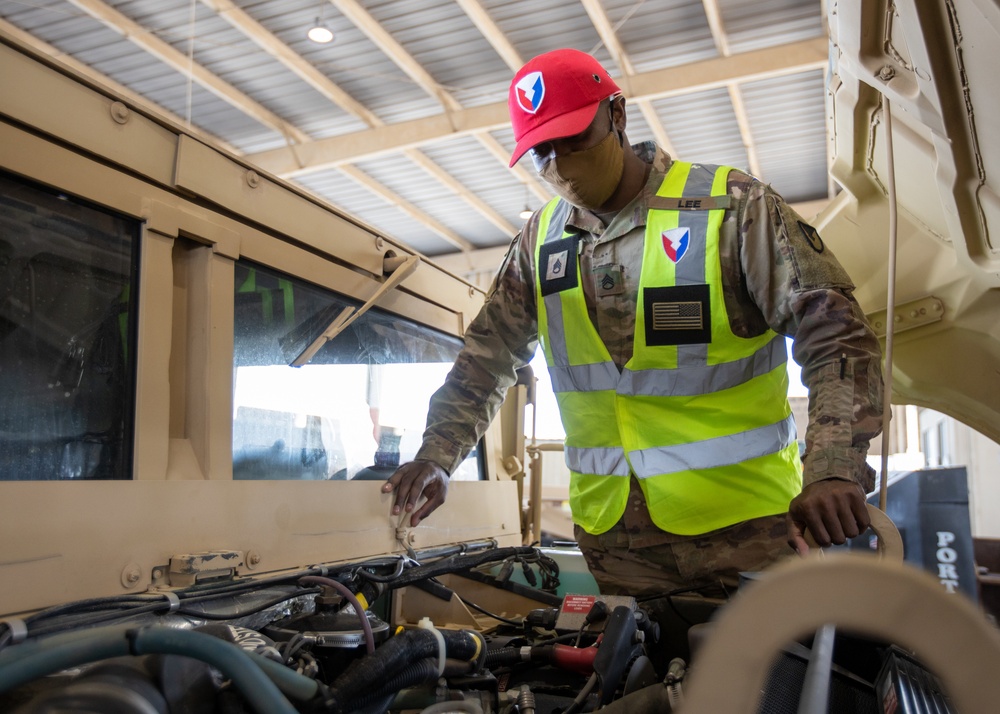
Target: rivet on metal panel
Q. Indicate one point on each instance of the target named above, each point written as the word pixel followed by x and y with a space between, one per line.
pixel 119 112
pixel 909 316
pixel 253 179
pixel 253 559
pixel 472 291
pixel 886 73
pixel 379 242
pixel 131 574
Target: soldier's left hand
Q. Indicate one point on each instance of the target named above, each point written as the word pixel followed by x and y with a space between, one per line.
pixel 832 510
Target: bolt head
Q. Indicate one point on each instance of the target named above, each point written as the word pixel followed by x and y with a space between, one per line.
pixel 131 575
pixel 119 112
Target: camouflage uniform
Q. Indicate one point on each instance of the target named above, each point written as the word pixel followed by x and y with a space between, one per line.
pixel 776 274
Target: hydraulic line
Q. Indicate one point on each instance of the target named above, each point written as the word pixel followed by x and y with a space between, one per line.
pixel 400 564
pixel 577 703
pixel 890 313
pixel 420 672
pixel 351 598
pixel 459 562
pixel 816 685
pixel 30 661
pixel 395 655
pixel 255 609
pixel 89 618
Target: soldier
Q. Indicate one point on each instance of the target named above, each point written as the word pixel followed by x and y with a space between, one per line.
pixel 661 293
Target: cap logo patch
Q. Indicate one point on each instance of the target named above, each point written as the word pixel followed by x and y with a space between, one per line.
pixel 530 90
pixel 675 242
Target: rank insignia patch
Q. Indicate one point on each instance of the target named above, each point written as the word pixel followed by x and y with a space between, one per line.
pixel 557 265
pixel 609 280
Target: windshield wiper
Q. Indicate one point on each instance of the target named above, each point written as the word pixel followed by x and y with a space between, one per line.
pixel 348 315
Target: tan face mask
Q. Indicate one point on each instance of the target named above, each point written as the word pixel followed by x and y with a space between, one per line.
pixel 588 178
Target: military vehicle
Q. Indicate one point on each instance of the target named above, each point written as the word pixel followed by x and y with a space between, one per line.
pixel 207 374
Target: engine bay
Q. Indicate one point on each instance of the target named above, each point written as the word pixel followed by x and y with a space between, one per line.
pixel 349 638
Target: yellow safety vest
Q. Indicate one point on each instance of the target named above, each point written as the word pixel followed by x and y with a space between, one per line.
pixel 699 415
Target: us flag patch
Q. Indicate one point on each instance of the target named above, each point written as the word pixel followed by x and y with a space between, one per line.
pixel 679 315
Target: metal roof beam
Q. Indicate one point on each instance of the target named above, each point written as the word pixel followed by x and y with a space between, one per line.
pixel 714 15
pixel 321 83
pixel 406 62
pixel 175 59
pixel 421 160
pixel 228 11
pixel 103 81
pixel 765 63
pixel 391 198
pixel 489 29
pixel 609 36
pixel 361 18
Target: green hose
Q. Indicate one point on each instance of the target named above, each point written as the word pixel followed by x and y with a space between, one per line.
pixel 29 661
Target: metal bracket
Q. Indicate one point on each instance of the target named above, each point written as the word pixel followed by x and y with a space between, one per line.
pixel 188 568
pixel 909 315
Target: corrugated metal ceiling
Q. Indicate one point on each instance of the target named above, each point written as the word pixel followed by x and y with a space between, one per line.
pixel 726 81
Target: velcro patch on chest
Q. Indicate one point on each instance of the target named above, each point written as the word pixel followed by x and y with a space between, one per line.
pixel 557 265
pixel 609 280
pixel 679 315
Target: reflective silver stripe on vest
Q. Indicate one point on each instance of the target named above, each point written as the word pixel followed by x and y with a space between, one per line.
pixel 584 377
pixel 690 269
pixel 703 379
pixel 553 301
pixel 712 453
pixel 603 461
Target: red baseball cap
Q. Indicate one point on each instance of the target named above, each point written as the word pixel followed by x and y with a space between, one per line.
pixel 556 94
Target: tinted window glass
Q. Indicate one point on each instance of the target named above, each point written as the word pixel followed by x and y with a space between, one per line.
pixel 66 387
pixel 355 411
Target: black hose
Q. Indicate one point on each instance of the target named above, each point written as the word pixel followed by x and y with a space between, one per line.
pixel 74 620
pixel 367 575
pixel 478 608
pixel 504 657
pixel 396 654
pixel 458 563
pixel 420 672
pixel 96 611
pixel 202 615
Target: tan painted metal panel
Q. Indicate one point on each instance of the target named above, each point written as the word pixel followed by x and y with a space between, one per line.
pixel 207 173
pixel 71 540
pixel 40 97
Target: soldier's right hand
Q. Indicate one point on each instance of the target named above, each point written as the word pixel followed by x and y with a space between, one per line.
pixel 415 480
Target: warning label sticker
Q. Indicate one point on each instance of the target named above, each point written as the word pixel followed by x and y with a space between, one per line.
pixel 578 603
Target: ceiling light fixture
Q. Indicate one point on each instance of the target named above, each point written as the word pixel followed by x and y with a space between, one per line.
pixel 320 33
pixel 526 212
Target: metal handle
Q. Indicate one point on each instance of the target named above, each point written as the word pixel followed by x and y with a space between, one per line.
pixel 889 545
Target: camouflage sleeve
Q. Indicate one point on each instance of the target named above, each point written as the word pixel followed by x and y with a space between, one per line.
pixel 804 293
pixel 500 340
